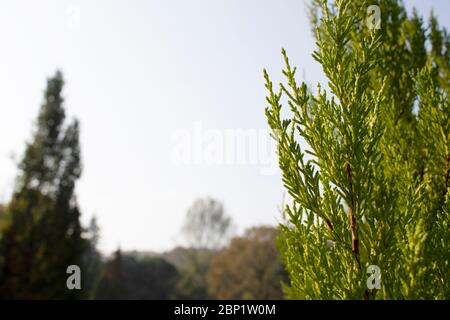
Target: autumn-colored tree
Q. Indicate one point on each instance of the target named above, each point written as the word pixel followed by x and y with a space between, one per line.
pixel 249 268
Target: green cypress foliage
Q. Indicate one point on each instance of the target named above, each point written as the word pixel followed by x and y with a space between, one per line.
pixel 365 159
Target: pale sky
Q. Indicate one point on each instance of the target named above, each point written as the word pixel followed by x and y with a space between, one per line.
pixel 136 72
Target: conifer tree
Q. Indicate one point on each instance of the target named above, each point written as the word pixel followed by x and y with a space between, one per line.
pixel 126 276
pixel 44 235
pixel 92 259
pixel 365 158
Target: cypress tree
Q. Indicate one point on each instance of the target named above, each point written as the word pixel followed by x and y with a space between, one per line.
pixel 44 235
pixel 366 158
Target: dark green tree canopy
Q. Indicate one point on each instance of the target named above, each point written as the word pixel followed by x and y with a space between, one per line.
pixel 44 235
pixel 129 277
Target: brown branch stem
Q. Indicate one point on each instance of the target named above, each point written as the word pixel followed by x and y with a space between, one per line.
pixel 351 216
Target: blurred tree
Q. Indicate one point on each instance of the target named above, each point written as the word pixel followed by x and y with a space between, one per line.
pixel 43 236
pixel 112 283
pixel 193 270
pixel 206 229
pixel 3 219
pixel 3 224
pixel 249 268
pixel 127 277
pixel 92 259
pixel 206 225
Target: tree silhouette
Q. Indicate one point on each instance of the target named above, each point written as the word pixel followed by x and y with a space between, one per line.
pixel 43 236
